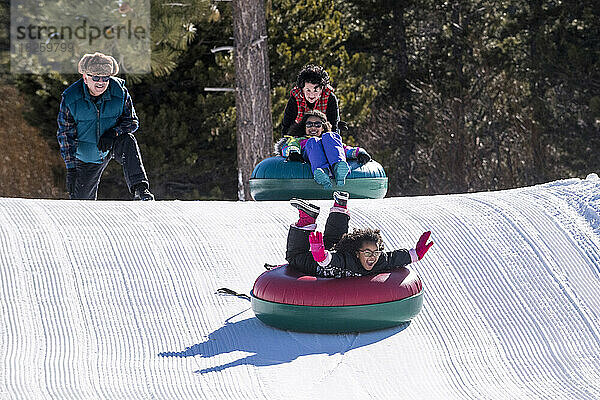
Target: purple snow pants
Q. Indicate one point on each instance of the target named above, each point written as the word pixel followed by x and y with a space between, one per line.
pixel 325 151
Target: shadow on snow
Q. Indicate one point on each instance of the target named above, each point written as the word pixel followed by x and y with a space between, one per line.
pixel 272 346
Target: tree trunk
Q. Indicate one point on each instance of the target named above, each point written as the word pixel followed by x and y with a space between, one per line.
pixel 407 141
pixel 253 90
pixel 538 115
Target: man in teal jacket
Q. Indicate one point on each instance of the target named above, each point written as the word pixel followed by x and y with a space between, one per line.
pixel 96 122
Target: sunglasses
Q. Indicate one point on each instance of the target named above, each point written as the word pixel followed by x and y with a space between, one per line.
pixel 369 253
pixel 316 124
pixel 99 78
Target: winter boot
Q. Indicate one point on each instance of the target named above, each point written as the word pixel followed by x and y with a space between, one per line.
pixel 340 199
pixel 141 192
pixel 309 208
pixel 308 212
pixel 322 178
pixel 340 171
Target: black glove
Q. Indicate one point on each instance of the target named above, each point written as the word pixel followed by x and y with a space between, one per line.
pixel 107 140
pixel 295 156
pixel 363 157
pixel 71 179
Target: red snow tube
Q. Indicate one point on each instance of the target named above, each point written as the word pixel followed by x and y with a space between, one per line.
pixel 287 299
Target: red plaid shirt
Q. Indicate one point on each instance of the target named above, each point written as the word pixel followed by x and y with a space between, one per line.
pixel 320 105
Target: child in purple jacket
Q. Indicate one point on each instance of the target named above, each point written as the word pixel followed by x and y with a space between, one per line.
pixel 312 140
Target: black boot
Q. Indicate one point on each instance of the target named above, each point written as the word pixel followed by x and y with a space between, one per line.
pixel 141 192
pixel 341 199
pixel 303 205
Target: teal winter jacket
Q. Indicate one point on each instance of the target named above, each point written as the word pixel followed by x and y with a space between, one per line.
pixel 81 122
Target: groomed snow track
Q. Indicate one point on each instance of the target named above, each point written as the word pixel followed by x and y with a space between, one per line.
pixel 116 300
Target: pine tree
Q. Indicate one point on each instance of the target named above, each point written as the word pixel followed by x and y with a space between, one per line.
pixel 491 101
pixel 552 50
pixel 380 30
pixel 187 135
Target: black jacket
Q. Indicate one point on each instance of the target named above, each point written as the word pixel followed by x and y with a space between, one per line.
pixel 299 257
pixel 291 111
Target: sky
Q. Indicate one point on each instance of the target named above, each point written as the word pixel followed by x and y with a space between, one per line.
pixel 117 300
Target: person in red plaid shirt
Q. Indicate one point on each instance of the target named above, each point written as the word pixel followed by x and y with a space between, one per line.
pixel 312 92
pixel 96 122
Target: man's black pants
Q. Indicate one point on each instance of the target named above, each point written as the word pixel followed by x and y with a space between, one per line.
pixel 127 153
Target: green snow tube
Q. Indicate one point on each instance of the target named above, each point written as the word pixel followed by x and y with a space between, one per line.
pixel 275 178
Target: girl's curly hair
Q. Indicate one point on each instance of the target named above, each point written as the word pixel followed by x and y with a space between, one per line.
pixel 350 243
pixel 314 74
pixel 299 129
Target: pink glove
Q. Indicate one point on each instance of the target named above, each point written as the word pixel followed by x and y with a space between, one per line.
pixel 317 247
pixel 422 245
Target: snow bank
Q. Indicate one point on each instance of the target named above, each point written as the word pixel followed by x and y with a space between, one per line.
pixel 116 300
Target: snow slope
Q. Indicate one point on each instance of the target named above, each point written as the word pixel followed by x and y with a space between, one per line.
pixel 116 300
